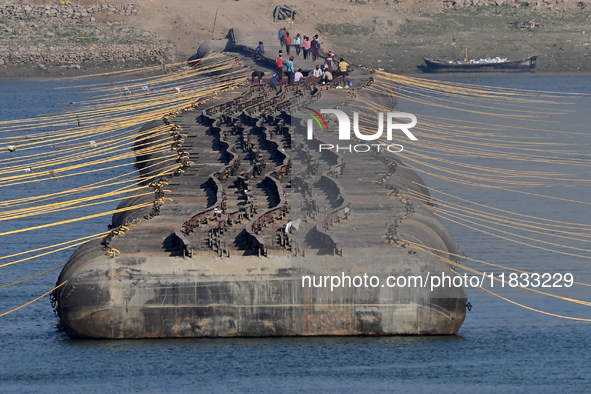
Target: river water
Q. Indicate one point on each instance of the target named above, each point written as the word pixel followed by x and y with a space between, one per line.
pixel 500 348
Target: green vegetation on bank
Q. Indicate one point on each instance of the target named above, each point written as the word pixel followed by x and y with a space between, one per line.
pixel 343 29
pixel 495 19
pixel 52 33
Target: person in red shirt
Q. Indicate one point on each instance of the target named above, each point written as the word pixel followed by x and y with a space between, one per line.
pixel 279 67
pixel 287 43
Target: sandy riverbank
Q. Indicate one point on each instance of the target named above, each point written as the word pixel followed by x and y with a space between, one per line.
pixel 394 36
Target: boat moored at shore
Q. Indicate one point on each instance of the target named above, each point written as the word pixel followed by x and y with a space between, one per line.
pixel 440 66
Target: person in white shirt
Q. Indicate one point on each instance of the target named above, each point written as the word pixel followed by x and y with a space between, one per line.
pixel 298 75
pixel 317 73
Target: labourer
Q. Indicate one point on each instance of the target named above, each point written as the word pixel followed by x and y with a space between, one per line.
pixel 281 36
pixel 290 72
pixel 279 67
pixel 274 81
pixel 343 69
pixel 307 45
pixel 260 49
pixel 318 72
pixel 298 76
pixel 297 43
pixel 327 77
pixel 287 43
pixel 315 45
pixel 329 60
pixel 257 74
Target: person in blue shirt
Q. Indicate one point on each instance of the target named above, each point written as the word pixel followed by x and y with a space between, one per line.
pixel 261 48
pixel 274 81
pixel 281 36
pixel 290 70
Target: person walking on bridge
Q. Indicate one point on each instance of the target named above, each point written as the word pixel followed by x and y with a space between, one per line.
pixel 315 47
pixel 287 43
pixel 290 70
pixel 281 36
pixel 297 43
pixel 307 46
pixel 279 67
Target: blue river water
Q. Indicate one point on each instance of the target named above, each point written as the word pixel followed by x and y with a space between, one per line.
pixel 501 347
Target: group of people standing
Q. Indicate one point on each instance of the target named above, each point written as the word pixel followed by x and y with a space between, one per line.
pixel 300 43
pixel 309 48
pixel 292 75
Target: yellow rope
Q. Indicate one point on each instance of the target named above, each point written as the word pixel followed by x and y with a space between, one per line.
pixel 535 310
pixel 36 299
pixel 32 277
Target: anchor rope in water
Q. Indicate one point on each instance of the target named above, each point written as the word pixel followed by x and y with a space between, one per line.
pixel 495 278
pixel 96 215
pixel 443 206
pixel 36 276
pixel 536 310
pixel 127 182
pixel 36 299
pixel 82 239
pixel 557 223
pixel 111 151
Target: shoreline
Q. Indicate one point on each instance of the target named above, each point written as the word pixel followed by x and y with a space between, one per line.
pixel 57 71
pixel 398 43
pixel 54 71
pixel 394 42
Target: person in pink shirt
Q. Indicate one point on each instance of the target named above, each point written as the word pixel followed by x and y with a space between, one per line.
pixel 287 43
pixel 307 46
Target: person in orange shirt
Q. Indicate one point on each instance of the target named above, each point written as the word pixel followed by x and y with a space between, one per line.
pixel 329 60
